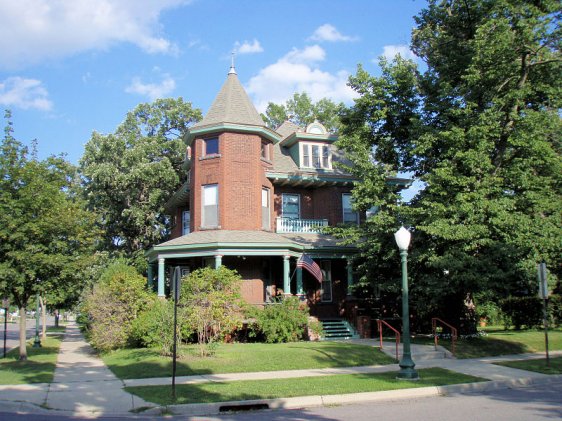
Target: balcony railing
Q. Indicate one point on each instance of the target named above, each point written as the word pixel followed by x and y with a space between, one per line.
pixel 311 226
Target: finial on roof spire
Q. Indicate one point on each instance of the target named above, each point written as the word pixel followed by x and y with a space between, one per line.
pixel 232 70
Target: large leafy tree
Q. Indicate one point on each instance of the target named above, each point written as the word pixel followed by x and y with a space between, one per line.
pixel 481 128
pixel 130 174
pixel 301 110
pixel 46 235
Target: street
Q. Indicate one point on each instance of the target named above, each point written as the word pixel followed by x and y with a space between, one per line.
pixel 541 402
pixel 12 334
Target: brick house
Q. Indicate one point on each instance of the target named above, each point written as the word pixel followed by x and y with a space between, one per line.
pixel 255 200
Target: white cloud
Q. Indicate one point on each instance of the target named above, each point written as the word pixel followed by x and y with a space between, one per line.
pixel 24 93
pixel 298 71
pixel 329 33
pixel 391 51
pixel 249 47
pixel 35 30
pixel 152 90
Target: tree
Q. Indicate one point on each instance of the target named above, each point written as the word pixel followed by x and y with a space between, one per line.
pixel 129 175
pixel 46 235
pixel 481 129
pixel 302 111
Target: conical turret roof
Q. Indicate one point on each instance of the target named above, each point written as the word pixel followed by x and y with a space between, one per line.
pixel 232 105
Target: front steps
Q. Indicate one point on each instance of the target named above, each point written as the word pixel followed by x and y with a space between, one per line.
pixel 337 329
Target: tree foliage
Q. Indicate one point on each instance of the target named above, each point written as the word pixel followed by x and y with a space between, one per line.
pixel 481 129
pixel 46 235
pixel 129 175
pixel 302 111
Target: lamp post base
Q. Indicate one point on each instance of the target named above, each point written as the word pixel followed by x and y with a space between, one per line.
pixel 37 342
pixel 407 371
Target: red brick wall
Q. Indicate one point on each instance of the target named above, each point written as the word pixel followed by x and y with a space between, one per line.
pixel 240 174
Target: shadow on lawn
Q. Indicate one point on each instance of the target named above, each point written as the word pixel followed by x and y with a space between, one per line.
pixel 34 369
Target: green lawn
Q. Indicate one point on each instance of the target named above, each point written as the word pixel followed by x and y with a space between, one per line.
pixel 40 364
pixel 501 342
pixel 240 358
pixel 303 386
pixel 537 365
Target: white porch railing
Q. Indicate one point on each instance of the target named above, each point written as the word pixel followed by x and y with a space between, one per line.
pixel 301 225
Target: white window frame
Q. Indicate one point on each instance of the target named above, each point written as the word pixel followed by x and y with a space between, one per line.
pixel 344 213
pixel 207 202
pixel 266 210
pixel 324 155
pixel 185 222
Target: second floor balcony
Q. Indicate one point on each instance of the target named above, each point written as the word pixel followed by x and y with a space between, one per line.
pixel 311 226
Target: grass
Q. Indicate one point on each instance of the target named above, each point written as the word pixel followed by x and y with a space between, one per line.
pixel 303 386
pixel 241 358
pixel 40 364
pixel 537 365
pixel 501 342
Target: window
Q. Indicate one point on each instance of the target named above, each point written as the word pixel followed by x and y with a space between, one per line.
pixel 185 221
pixel 265 212
pixel 210 206
pixel 290 206
pixel 265 150
pixel 211 146
pixel 349 215
pixel 326 288
pixel 316 155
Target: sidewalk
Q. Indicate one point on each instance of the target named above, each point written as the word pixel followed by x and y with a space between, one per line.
pixel 83 386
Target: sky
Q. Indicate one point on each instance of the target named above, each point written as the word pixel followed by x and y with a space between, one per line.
pixel 71 67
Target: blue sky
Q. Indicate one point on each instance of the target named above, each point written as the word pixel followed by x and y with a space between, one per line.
pixel 69 67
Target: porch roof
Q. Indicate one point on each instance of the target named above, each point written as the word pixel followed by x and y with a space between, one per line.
pixel 230 242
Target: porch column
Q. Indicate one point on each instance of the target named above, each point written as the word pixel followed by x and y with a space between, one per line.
pixel 161 277
pixel 349 277
pixel 150 276
pixel 218 261
pixel 286 275
pixel 300 290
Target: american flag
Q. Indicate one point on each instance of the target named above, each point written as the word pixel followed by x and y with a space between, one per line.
pixel 311 266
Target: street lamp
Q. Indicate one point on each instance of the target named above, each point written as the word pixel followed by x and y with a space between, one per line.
pixel 407 371
pixel 37 341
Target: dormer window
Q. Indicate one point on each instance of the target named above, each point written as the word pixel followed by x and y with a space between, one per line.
pixel 211 146
pixel 315 155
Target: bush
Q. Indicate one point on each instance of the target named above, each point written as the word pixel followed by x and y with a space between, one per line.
pixel 212 304
pixel 112 305
pixel 522 311
pixel 285 321
pixel 555 309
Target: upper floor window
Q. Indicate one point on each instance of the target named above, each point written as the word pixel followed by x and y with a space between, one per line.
pixel 316 155
pixel 349 215
pixel 210 206
pixel 265 212
pixel 290 206
pixel 265 151
pixel 185 222
pixel 211 146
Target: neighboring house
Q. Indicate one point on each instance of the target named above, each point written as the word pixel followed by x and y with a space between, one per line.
pixel 255 200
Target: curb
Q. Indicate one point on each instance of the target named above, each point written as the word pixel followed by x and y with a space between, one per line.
pixel 364 397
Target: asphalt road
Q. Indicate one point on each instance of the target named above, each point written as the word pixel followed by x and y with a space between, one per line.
pixel 521 404
pixel 13 335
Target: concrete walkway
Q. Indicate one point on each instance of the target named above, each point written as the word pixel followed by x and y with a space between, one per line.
pixel 83 386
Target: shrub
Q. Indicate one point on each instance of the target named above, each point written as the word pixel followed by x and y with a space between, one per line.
pixel 555 309
pixel 112 305
pixel 285 321
pixel 522 311
pixel 154 327
pixel 212 304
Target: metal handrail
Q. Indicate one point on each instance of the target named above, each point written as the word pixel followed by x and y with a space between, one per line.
pixel 453 333
pixel 396 332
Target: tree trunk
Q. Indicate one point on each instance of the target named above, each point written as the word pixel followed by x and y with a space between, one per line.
pixel 23 328
pixel 43 303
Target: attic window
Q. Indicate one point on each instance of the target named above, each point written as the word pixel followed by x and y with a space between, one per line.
pixel 316 155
